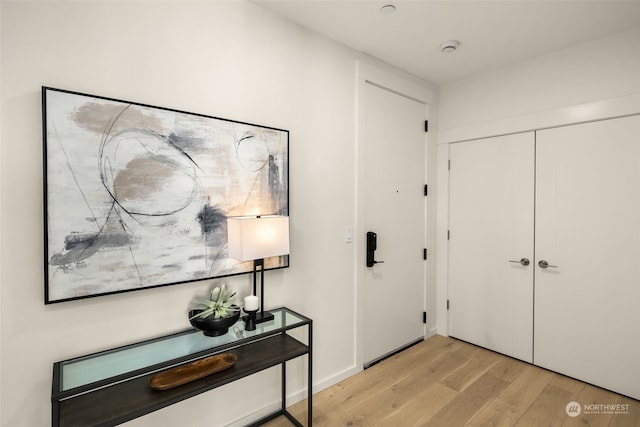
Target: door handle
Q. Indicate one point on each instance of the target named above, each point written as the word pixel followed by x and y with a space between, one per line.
pixel 372 245
pixel 544 264
pixel 523 261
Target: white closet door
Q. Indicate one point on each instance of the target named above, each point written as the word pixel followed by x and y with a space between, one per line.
pixel 491 230
pixel 587 306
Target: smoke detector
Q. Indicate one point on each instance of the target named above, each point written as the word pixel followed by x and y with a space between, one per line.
pixel 449 46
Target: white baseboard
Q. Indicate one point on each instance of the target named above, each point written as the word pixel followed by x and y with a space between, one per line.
pixel 294 397
pixel 256 415
pixel 335 379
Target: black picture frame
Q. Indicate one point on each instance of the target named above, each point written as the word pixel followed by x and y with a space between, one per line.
pixel 136 196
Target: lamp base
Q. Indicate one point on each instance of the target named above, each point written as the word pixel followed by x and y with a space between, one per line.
pixel 263 316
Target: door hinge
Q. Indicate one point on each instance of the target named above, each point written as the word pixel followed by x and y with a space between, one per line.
pixel 426 189
pixel 447 304
pixel 426 125
pixel 424 253
pixel 448 234
pixel 424 317
pixel 449 164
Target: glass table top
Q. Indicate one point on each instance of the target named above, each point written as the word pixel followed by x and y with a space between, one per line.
pixel 96 367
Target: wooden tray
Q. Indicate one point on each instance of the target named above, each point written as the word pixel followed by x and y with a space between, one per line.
pixel 192 371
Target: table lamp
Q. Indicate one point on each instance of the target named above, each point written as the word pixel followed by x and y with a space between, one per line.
pixel 256 238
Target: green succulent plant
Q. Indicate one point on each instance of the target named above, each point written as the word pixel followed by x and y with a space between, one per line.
pixel 219 304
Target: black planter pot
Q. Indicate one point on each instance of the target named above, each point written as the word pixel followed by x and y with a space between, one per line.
pixel 212 327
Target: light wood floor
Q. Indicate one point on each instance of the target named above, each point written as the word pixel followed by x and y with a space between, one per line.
pixel 443 382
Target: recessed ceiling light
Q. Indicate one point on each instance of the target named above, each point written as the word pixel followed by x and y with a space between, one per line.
pixel 388 9
pixel 449 46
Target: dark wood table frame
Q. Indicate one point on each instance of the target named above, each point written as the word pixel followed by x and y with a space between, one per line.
pixel 121 398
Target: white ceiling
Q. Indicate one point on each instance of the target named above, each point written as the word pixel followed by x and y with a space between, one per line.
pixel 492 34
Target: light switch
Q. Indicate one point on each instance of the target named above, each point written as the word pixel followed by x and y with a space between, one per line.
pixel 348 234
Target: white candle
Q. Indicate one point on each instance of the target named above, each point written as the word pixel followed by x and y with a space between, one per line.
pixel 250 303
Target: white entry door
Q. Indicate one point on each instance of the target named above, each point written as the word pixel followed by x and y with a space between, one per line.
pixel 587 300
pixel 394 209
pixel 491 228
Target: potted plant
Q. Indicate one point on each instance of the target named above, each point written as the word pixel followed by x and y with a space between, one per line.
pixel 214 315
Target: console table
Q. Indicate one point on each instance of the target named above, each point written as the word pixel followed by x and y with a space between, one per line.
pixel 111 387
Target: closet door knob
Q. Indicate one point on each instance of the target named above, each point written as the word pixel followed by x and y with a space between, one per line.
pixel 544 264
pixel 523 261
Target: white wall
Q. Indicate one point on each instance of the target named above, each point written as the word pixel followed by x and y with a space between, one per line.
pixel 600 70
pixel 587 82
pixel 225 59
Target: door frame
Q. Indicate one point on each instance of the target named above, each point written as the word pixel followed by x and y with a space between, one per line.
pixel 370 74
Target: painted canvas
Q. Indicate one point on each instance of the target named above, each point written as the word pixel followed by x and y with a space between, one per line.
pixel 137 196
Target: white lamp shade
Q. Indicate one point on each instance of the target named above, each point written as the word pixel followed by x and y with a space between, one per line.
pixel 252 238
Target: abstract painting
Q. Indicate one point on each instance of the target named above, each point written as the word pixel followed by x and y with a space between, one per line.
pixel 137 196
